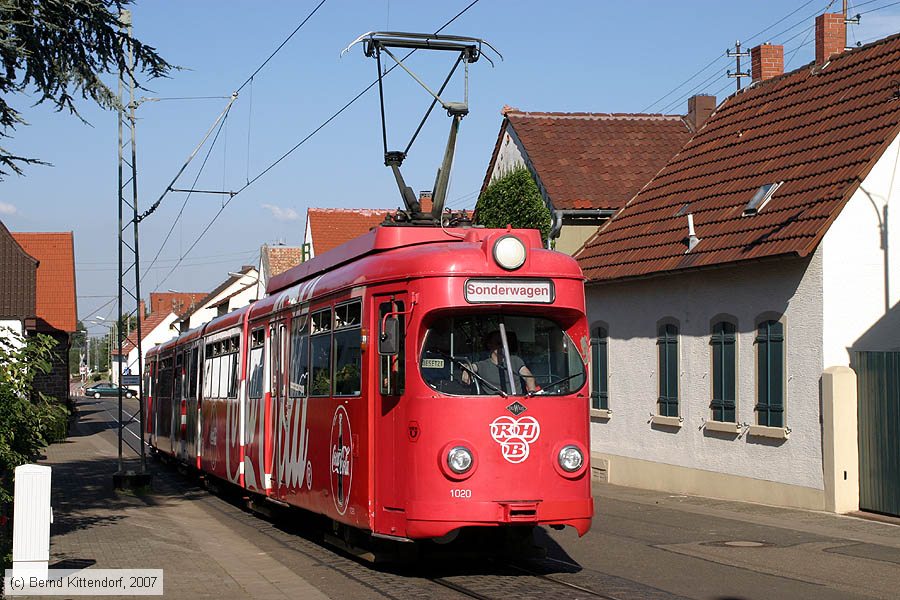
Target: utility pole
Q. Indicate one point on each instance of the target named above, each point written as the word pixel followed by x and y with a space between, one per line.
pixel 128 207
pixel 736 54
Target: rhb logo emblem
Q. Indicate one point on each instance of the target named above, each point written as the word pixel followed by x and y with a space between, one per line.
pixel 515 436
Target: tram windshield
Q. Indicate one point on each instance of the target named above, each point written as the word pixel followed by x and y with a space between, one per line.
pixel 500 355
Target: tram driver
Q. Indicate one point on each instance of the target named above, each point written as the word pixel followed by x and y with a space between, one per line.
pixel 493 368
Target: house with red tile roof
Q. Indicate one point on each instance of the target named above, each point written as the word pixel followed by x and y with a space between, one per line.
pixel 328 228
pixel 239 289
pixel 55 307
pixel 18 284
pixel 275 259
pixel 156 328
pixel 730 293
pixel 588 165
pixel 177 302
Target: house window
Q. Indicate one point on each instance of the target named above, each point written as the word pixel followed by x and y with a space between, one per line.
pixel 770 373
pixel 724 392
pixel 599 369
pixel 667 343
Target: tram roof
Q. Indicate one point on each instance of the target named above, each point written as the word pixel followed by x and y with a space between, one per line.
pixel 382 239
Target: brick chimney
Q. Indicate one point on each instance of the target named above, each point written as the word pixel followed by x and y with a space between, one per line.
pixel 766 61
pixel 699 109
pixel 425 201
pixel 831 36
pixel 142 310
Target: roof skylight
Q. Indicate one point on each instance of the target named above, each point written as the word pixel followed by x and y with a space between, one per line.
pixel 761 198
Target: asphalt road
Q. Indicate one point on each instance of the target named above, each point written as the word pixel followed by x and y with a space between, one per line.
pixel 642 545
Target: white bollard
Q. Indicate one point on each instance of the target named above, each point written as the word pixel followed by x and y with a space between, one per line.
pixel 31 520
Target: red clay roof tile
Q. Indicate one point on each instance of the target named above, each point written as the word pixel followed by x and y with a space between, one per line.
pixel 55 301
pixel 818 130
pixel 594 160
pixel 332 227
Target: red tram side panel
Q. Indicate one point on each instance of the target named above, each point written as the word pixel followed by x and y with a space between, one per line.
pixel 478 417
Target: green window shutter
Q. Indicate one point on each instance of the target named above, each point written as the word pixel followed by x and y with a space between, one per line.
pixel 667 343
pixel 723 378
pixel 770 373
pixel 600 369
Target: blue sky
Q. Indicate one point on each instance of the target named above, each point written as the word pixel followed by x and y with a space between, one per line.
pixel 565 56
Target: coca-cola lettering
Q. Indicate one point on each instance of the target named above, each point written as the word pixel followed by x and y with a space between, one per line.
pixel 341 454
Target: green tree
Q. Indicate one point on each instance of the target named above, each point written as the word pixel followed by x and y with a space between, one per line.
pixel 514 199
pixel 28 420
pixel 57 49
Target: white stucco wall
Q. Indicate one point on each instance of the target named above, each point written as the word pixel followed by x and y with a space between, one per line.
pixel 161 333
pixel 854 266
pixel 509 156
pixel 631 311
pixel 208 312
pixel 15 325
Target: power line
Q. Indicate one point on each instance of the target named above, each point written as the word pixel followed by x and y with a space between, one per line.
pixel 220 122
pixel 719 58
pixel 303 141
pixel 281 45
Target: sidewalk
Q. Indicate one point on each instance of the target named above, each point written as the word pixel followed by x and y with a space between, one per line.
pixel 96 527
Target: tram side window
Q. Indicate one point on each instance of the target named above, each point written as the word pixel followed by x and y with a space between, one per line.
pixel 255 368
pixel 392 374
pixel 299 356
pixel 217 370
pixel 347 356
pixel 207 371
pixel 179 375
pixel 192 386
pixel 234 350
pixel 320 349
pixel 165 378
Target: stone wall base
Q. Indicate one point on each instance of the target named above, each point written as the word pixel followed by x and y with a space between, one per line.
pixel 633 472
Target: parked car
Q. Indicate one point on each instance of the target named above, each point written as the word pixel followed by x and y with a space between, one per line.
pixel 108 389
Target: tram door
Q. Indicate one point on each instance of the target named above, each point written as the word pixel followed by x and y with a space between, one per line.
pixel 393 433
pixel 279 339
pixel 178 406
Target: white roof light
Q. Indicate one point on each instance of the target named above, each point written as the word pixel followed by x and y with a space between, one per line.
pixel 509 252
pixel 760 198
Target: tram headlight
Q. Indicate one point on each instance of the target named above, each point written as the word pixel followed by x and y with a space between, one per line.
pixel 459 459
pixel 570 459
pixel 509 252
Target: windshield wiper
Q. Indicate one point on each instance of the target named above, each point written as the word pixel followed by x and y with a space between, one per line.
pixel 468 369
pixel 552 383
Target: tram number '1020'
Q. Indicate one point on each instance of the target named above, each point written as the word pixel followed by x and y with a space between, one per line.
pixel 460 493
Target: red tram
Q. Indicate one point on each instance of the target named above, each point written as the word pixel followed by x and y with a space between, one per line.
pixel 411 383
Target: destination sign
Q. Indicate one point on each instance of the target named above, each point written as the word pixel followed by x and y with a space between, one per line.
pixel 509 290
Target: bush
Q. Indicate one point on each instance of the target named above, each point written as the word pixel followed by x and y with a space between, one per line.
pixel 514 199
pixel 29 421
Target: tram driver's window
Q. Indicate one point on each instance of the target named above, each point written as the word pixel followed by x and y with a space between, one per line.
pixel 392 373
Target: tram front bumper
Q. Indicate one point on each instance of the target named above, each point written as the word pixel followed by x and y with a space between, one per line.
pixel 435 519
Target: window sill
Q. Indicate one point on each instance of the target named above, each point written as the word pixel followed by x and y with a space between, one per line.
pixel 777 433
pixel 667 421
pixel 601 413
pixel 722 426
